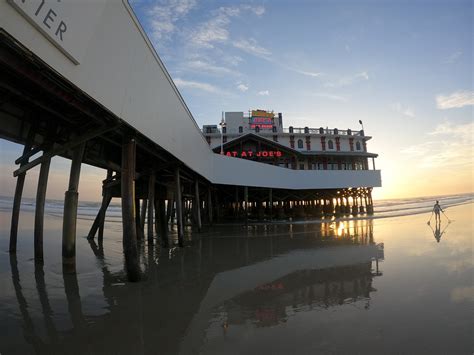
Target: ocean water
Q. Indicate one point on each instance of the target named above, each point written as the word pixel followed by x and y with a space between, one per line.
pixel 388 284
pixel 383 208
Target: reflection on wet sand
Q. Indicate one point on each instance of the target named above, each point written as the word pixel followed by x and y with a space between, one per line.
pixel 438 231
pixel 274 302
pixel 260 274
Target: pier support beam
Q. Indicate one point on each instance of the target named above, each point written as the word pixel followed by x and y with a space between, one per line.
pixel 128 210
pixel 197 201
pixel 100 218
pixel 143 213
pixel 70 211
pixel 39 210
pixel 179 209
pixel 246 199
pixel 162 219
pixel 209 205
pixel 20 182
pixel 138 221
pixel 270 198
pixel 151 199
pixel 370 206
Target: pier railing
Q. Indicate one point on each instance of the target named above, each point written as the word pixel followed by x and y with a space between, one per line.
pixel 329 131
pixel 300 130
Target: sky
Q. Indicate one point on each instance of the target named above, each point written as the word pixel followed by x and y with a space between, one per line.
pixel 404 68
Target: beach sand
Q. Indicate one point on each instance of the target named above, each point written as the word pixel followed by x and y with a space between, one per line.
pixel 364 286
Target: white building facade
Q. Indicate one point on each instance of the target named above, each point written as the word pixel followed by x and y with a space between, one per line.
pixel 261 136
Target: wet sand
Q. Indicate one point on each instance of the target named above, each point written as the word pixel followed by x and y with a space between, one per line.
pixel 363 286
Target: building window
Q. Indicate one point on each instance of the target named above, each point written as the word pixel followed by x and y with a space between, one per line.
pixel 358 145
pixel 301 166
pixel 300 144
pixel 330 144
pixel 241 129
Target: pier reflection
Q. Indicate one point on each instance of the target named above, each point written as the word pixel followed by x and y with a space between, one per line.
pixel 261 274
pixel 306 290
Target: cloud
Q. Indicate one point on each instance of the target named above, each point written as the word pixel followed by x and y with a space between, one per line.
pixel 450 145
pixel 329 96
pixel 457 99
pixel 257 10
pixel 407 111
pixel 348 80
pixel 196 85
pixel 242 87
pixel 202 66
pixel 460 131
pixel 252 47
pixel 303 72
pixel 233 60
pixel 216 29
pixel 453 57
pixel 164 16
pixel 264 93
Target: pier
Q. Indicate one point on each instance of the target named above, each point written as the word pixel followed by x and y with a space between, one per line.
pixel 120 111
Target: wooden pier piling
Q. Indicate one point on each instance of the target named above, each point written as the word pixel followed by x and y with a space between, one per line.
pixel 179 209
pixel 20 182
pixel 151 199
pixel 209 205
pixel 71 200
pixel 39 210
pixel 246 199
pixel 99 220
pixel 128 210
pixel 197 201
pixel 143 213
pixel 162 219
pixel 138 221
pixel 270 199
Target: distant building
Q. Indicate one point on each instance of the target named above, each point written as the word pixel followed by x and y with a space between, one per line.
pixel 260 136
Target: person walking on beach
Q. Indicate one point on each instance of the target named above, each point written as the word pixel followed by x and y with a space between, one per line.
pixel 437 211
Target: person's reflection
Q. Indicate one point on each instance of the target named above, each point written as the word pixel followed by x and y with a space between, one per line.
pixel 437 232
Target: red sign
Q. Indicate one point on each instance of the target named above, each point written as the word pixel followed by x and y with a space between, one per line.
pixel 261 122
pixel 258 154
